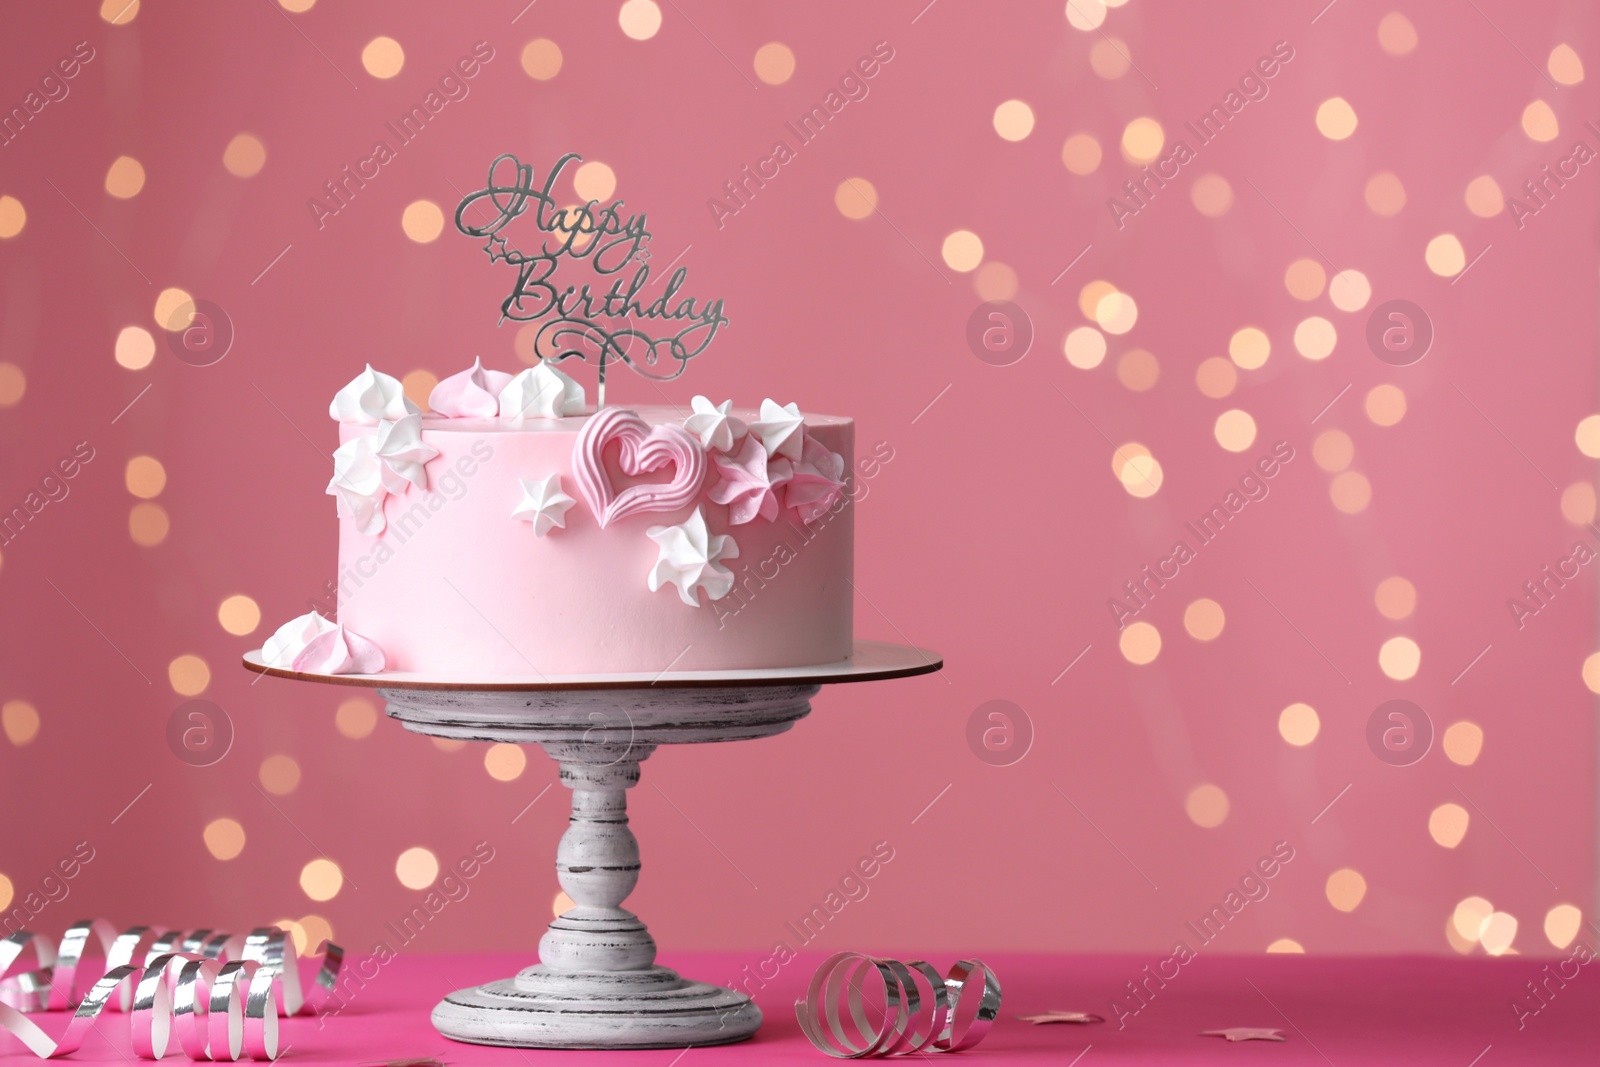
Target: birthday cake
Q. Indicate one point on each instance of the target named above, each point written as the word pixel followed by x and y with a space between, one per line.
pixel 514 531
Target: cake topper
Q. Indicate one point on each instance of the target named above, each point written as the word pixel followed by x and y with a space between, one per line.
pixel 598 327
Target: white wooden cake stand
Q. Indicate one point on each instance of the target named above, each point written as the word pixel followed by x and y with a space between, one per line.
pixel 597 984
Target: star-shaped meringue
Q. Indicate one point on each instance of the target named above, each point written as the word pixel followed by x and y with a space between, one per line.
pixel 691 558
pixel 400 448
pixel 817 481
pixel 358 483
pixel 1077 1017
pixel 714 425
pixel 781 428
pixel 543 503
pixel 750 482
pixel 1246 1033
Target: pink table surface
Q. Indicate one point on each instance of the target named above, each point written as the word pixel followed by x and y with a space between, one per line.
pixel 1344 1010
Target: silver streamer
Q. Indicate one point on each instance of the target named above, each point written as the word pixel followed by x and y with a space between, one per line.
pixel 921 1011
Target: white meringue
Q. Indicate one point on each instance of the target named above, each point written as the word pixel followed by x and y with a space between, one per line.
pixel 543 503
pixel 370 397
pixel 286 642
pixel 781 429
pixel 691 559
pixel 340 651
pixel 541 392
pixel 358 477
pixel 401 450
pixel 714 425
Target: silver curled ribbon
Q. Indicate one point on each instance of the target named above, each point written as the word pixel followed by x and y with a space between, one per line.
pixel 215 995
pixel 921 1011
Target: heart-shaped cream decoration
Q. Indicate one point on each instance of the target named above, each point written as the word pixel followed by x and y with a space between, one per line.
pixel 643 450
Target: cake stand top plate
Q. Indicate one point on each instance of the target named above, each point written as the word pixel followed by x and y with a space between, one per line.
pixel 869 661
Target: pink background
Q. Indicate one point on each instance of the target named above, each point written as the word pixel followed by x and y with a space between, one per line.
pixel 996 535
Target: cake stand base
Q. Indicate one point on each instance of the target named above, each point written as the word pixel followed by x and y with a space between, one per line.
pixel 597 984
pixel 654 1008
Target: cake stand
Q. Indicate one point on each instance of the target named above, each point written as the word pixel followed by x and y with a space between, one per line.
pixel 597 984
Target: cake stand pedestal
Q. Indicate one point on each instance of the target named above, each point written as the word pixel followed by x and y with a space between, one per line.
pixel 597 984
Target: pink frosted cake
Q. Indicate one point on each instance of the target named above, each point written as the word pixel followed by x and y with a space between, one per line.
pixel 512 531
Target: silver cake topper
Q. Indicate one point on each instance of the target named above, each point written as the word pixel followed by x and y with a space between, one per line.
pixel 577 321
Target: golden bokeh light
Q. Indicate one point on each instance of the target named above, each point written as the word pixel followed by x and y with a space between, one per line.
pixel 1484 198
pixel 1564 65
pixel 1447 824
pixel 1336 119
pixel 7 892
pixel 1137 470
pixel 774 63
pixel 1350 492
pixel 383 57
pixel 279 774
pixel 594 180
pixel 1315 337
pixel 995 281
pixel 145 477
pixel 1211 195
pixel 356 718
pixel 1469 916
pixel 239 614
pixel 1109 58
pixel 1216 377
pixel 1385 404
pixel 1591 672
pixel 505 763
pixel 416 868
pixel 1013 120
pixel 125 177
pixel 224 838
pixel 1498 933
pixel 189 675
pixel 422 221
pixel 856 198
pixel 1084 347
pixel 1578 503
pixel 1349 290
pixel 1587 436
pixel 13 217
pixel 1249 347
pixel 1445 256
pixel 962 251
pixel 1286 945
pixel 20 721
pixel 1204 619
pixel 1395 597
pixel 174 309
pixel 1400 658
pixel 1080 154
pixel 1299 724
pixel 1562 923
pixel 1333 450
pixel 119 12
pixel 1463 742
pixel 1304 279
pixel 321 879
pixel 1346 888
pixel 1140 642
pixel 1142 140
pixel 148 524
pixel 1539 122
pixel 640 19
pixel 1116 313
pixel 1385 195
pixel 1235 430
pixel 1086 15
pixel 418 386
pixel 297 6
pixel 1396 35
pixel 13 384
pixel 447 744
pixel 1138 370
pixel 541 59
pixel 1207 806
pixel 1091 294
pixel 135 348
pixel 1456 941
pixel 561 904
pixel 311 931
